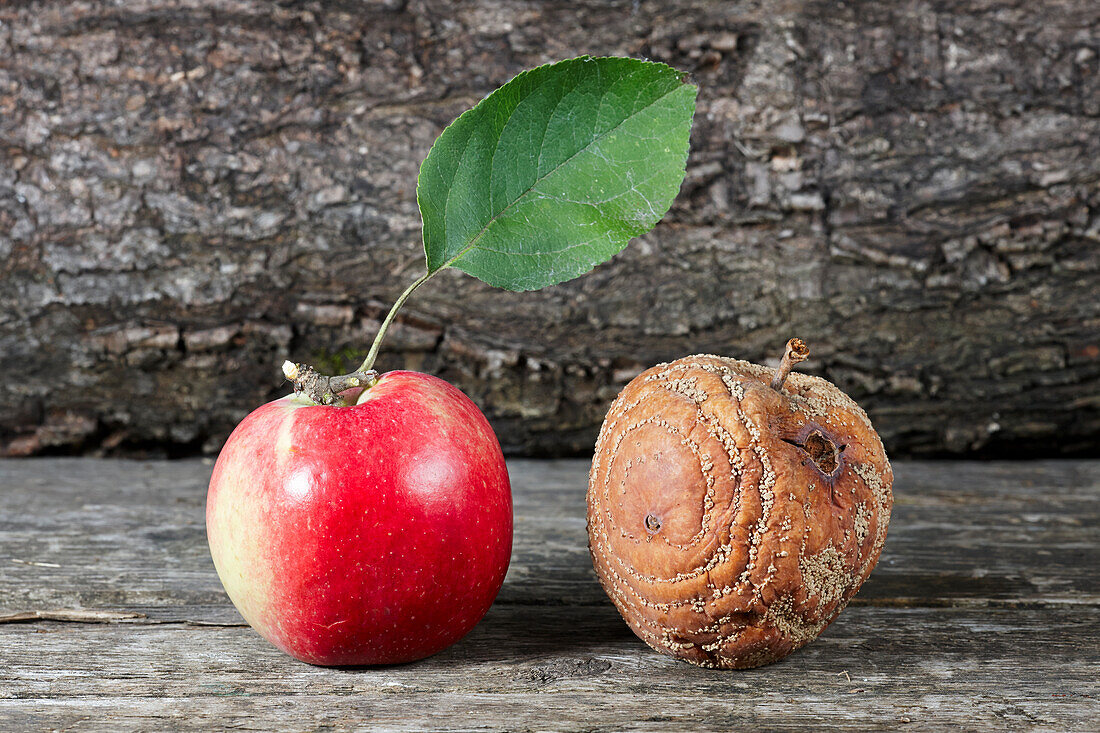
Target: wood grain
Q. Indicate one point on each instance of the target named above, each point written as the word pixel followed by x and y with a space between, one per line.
pixel 567 668
pixel 983 613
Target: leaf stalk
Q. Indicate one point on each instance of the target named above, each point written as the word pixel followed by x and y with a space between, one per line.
pixel 325 390
pixel 372 355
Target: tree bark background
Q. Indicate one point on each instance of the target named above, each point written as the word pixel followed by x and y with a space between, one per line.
pixel 191 192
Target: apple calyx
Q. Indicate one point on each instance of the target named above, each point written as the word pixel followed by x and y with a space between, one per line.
pixel 323 389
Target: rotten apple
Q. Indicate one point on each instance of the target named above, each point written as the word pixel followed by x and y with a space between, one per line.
pixel 735 510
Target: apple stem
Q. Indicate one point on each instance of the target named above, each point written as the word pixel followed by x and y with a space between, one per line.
pixel 323 389
pixel 796 351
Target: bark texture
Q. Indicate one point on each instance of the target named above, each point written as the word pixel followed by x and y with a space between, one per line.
pixel 192 192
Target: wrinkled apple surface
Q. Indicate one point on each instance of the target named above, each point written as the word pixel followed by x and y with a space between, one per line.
pixel 369 534
pixel 730 522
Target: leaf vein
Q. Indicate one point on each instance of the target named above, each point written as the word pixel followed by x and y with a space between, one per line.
pixel 474 241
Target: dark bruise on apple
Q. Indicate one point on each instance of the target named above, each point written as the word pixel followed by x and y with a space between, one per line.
pixel 733 509
pixel 368 533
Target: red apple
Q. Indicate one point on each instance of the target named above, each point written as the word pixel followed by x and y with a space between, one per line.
pixel 369 534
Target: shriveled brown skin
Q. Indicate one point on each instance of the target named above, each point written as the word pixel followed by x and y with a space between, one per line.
pixel 720 542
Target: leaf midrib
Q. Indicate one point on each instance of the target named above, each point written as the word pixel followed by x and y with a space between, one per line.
pixel 540 179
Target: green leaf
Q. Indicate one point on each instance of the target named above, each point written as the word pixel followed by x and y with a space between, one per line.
pixel 556 171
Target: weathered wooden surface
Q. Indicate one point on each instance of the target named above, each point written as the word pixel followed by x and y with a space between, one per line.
pixel 983 613
pixel 191 191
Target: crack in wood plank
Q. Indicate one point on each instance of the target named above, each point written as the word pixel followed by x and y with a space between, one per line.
pixel 71 615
